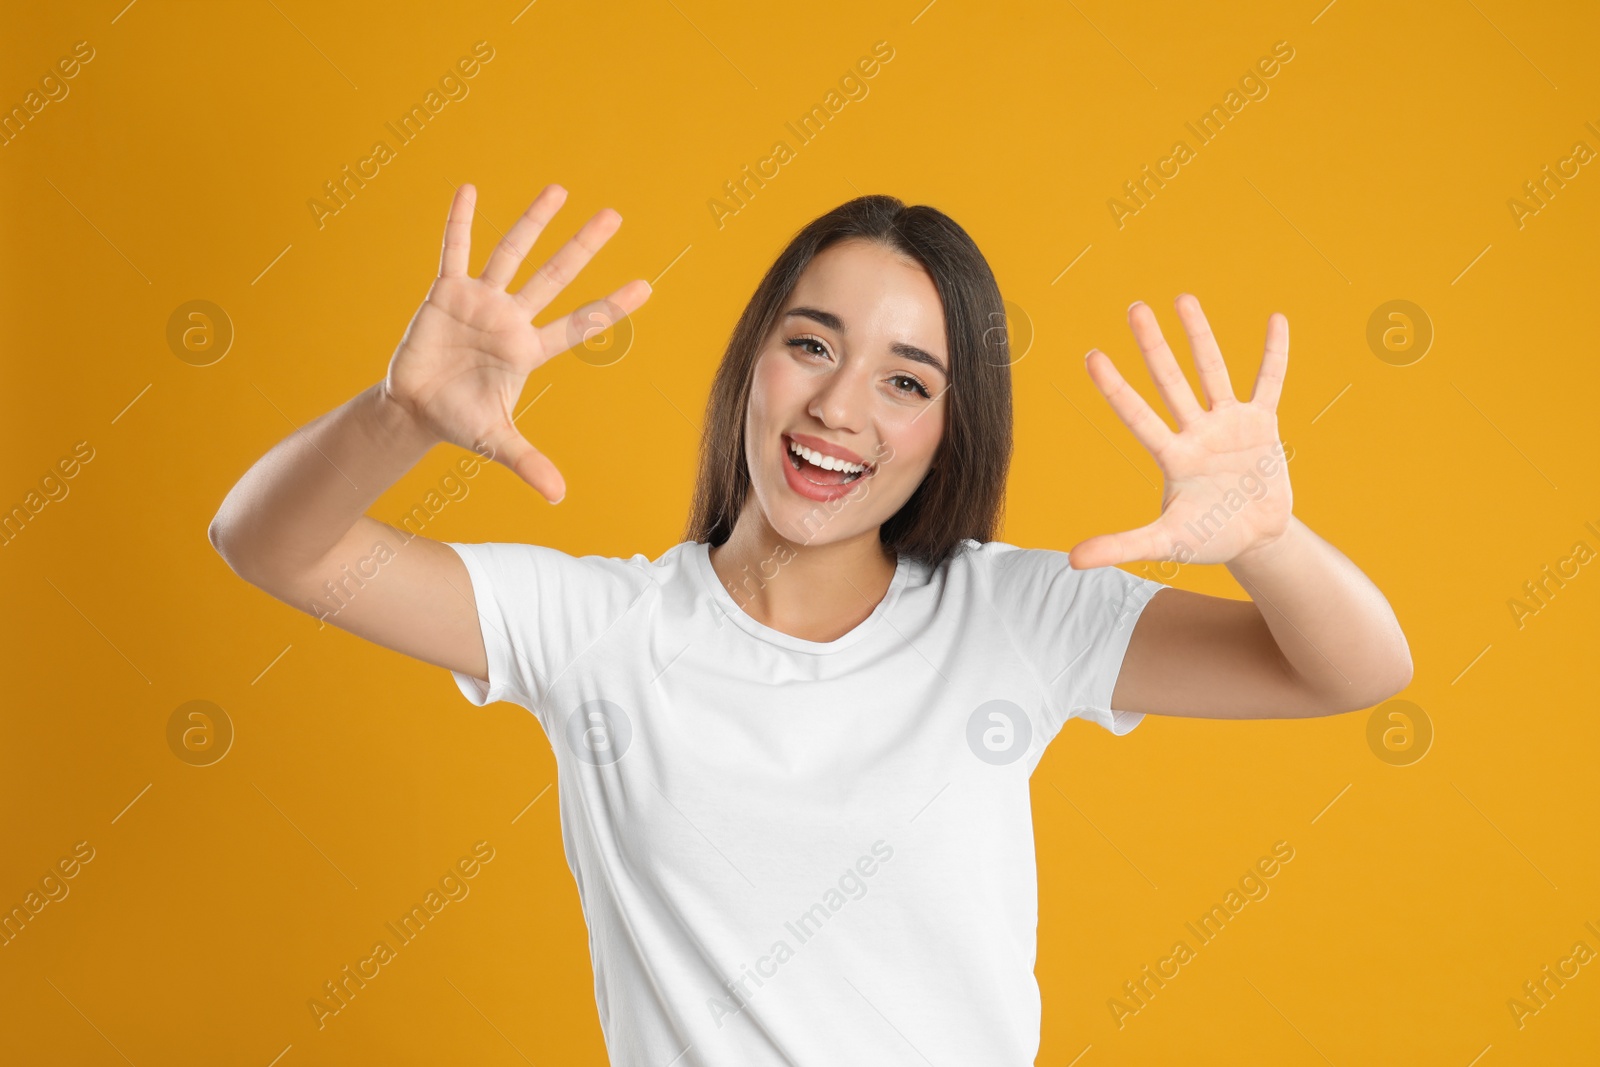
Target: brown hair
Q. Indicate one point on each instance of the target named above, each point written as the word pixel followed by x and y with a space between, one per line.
pixel 963 494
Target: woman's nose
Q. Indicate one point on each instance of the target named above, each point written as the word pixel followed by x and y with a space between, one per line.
pixel 841 401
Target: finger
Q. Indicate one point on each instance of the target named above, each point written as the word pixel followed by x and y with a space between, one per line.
pixel 517 242
pixel 597 316
pixel 1274 363
pixel 1163 365
pixel 1130 407
pixel 458 233
pixel 1150 542
pixel 1207 356
pixel 528 463
pixel 559 270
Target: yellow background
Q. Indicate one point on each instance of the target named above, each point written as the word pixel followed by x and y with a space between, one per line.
pixel 1379 167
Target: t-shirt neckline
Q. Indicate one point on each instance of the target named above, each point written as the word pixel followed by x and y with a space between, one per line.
pixel 727 605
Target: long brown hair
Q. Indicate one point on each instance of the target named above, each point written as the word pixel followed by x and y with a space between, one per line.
pixel 963 494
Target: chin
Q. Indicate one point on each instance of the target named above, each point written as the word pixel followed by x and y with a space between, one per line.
pixel 821 522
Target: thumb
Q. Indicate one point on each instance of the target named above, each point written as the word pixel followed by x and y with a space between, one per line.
pixel 508 447
pixel 1151 542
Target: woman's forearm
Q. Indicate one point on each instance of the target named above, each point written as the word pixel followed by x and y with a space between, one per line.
pixel 296 502
pixel 1334 627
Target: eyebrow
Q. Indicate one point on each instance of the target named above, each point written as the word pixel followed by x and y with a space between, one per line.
pixel 899 348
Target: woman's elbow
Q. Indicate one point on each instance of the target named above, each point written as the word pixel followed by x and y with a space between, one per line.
pixel 1403 678
pixel 1389 684
pixel 225 539
pixel 214 534
pixel 1402 665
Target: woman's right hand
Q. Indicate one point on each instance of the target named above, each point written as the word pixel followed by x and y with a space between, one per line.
pixel 461 365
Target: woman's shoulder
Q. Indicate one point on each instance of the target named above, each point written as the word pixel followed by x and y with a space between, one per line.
pixel 1004 555
pixel 1016 570
pixel 994 566
pixel 513 560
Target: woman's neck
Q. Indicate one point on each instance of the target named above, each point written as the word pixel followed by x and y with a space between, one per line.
pixel 813 592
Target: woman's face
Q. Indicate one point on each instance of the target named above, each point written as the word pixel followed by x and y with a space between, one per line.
pixel 855 371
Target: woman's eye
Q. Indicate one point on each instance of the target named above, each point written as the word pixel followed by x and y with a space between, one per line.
pixel 801 342
pixel 916 386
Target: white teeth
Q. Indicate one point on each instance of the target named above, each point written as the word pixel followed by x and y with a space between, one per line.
pixel 827 463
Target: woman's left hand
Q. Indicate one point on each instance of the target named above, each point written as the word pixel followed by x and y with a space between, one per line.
pixel 1227 490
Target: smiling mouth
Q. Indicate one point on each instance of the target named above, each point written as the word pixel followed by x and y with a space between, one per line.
pixel 803 460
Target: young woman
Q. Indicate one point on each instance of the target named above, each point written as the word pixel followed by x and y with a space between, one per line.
pixel 793 750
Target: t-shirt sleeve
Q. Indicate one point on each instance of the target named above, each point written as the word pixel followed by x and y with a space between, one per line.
pixel 540 609
pixel 1073 626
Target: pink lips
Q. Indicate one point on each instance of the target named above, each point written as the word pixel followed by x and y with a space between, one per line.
pixel 805 486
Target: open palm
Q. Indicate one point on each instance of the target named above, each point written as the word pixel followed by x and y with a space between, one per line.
pixel 471 345
pixel 1227 487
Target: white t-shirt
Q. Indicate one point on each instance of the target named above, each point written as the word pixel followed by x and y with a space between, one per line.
pixel 799 852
